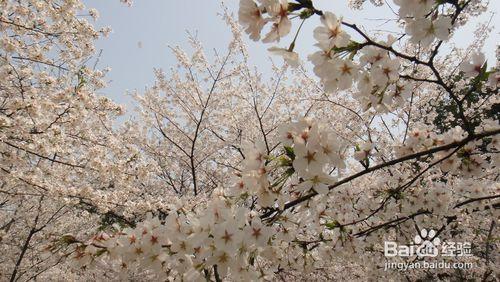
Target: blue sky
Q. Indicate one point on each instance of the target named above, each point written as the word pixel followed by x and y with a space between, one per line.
pixel 159 23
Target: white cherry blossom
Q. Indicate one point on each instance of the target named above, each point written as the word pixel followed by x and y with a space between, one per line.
pixel 473 66
pixel 425 31
pixel 281 24
pixel 331 33
pixel 250 16
pixel 290 57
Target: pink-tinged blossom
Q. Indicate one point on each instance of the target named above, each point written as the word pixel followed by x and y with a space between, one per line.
pixel 281 24
pixel 331 33
pixel 318 181
pixel 414 8
pixel 494 80
pixel 473 66
pixel 424 31
pixel 250 16
pixel 290 57
pixel 386 72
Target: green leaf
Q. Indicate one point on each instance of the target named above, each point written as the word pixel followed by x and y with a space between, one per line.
pixel 306 13
pixel 332 225
pixel 289 152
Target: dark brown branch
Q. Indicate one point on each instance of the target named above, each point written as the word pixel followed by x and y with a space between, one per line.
pixel 386 164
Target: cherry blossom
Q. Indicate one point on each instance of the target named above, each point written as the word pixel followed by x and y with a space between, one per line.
pixel 494 80
pixel 281 25
pixel 387 71
pixel 331 34
pixel 250 15
pixel 474 65
pixel 417 9
pixel 290 57
pixel 425 31
pixel 230 173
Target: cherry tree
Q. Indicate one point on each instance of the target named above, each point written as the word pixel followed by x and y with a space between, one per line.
pixel 228 175
pixel 60 157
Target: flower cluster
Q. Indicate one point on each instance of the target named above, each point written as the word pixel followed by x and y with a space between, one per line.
pixel 466 161
pixel 422 24
pixel 311 153
pixel 377 74
pixel 317 151
pixel 380 85
pixel 294 203
pixel 251 16
pixel 475 66
pixel 185 244
pixel 377 71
